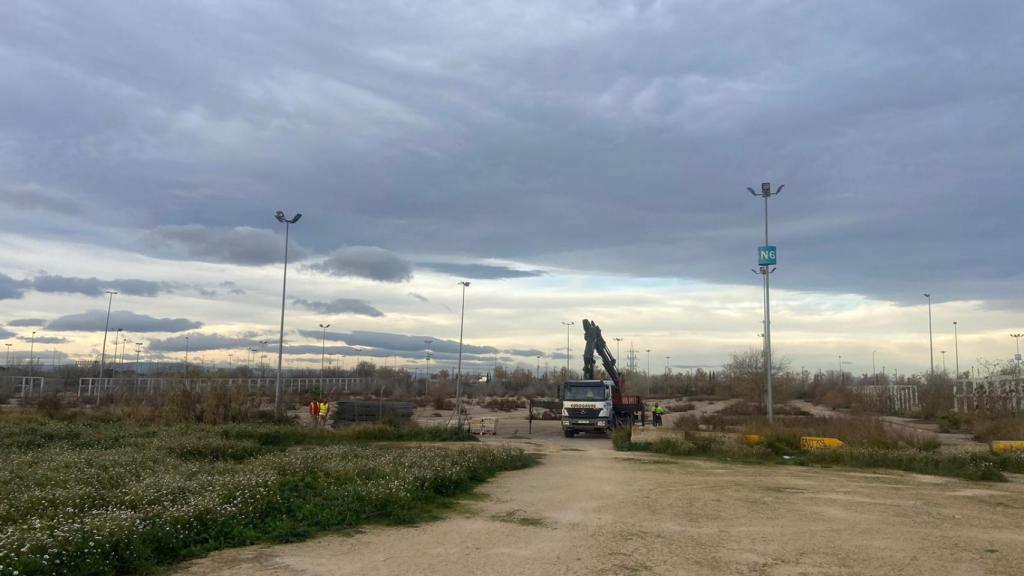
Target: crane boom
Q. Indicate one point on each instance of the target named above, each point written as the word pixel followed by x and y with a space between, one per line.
pixel 596 343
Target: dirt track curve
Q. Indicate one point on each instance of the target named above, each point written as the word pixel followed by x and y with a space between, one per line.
pixel 589 510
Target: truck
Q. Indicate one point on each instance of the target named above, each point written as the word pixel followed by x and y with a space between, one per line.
pixel 598 405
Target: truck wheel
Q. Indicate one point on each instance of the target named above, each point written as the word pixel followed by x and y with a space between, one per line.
pixel 569 433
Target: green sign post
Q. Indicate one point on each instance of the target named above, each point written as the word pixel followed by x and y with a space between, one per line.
pixel 766 255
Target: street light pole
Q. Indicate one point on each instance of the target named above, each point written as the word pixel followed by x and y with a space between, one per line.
pixel 538 368
pixel 106 327
pixel 323 350
pixel 284 290
pixel 943 352
pixel 186 362
pixel 117 340
pixel 956 351
pixel 874 373
pixel 766 193
pixel 426 381
pixel 931 346
pixel 1017 337
pixel 31 357
pixel 618 355
pixel 458 377
pixel 263 355
pixel 7 364
pixel 842 377
pixel 568 347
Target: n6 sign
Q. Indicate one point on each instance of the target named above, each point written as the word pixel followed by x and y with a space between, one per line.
pixel 766 255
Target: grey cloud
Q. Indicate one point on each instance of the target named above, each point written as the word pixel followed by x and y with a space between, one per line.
pixel 232 288
pixel 340 306
pixel 44 339
pixel 366 262
pixel 199 342
pixel 399 342
pixel 11 289
pixel 239 245
pixel 36 198
pixel 95 286
pixel 514 132
pixel 525 352
pixel 419 297
pixel 479 271
pixel 93 321
pixel 4 333
pixel 27 322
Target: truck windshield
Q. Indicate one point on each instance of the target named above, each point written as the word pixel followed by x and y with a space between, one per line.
pixel 584 392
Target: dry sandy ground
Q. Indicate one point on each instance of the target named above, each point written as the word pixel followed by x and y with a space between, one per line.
pixel 589 510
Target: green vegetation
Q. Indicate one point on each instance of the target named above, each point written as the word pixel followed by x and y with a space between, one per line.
pixel 82 496
pixel 784 448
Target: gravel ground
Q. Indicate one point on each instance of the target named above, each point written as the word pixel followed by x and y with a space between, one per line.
pixel 589 510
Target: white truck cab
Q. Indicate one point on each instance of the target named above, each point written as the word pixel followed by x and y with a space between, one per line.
pixel 588 406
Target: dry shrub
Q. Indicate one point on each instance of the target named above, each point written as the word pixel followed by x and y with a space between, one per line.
pixel 680 407
pixel 504 404
pixel 988 429
pixel 439 398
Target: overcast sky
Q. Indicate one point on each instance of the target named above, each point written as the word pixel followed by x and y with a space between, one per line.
pixel 570 159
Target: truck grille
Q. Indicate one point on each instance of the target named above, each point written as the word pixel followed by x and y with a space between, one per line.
pixel 583 412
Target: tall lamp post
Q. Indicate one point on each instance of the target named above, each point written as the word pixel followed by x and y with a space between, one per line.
pixel 186 361
pixel 106 327
pixel 284 290
pixel 874 373
pixel 323 350
pixel 956 351
pixel 943 353
pixel 263 355
pixel 766 263
pixel 931 345
pixel 458 376
pixel 1017 337
pixel 31 357
pixel 538 368
pixel 138 353
pixel 117 365
pixel 426 381
pixel 7 364
pixel 568 347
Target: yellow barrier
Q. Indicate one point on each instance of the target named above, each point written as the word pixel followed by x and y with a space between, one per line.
pixel 1004 446
pixel 752 439
pixel 819 443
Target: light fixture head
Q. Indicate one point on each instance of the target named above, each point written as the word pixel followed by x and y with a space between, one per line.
pixel 279 215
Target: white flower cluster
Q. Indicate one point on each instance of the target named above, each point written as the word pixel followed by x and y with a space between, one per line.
pixel 96 504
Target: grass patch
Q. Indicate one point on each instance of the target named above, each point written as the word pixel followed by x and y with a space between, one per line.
pixel 969 466
pixel 79 497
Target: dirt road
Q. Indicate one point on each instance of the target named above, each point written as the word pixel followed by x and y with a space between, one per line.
pixel 589 510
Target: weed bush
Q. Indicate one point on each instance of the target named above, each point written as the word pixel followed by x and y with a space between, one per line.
pixel 783 448
pixel 89 497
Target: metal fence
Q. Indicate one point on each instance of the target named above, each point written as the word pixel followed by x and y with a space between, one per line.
pixel 1001 394
pixel 23 387
pixel 95 387
pixel 892 399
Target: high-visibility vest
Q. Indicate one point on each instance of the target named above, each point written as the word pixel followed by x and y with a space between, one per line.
pixel 325 407
pixel 314 408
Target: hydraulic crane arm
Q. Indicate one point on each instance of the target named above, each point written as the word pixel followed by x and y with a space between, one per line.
pixel 596 343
